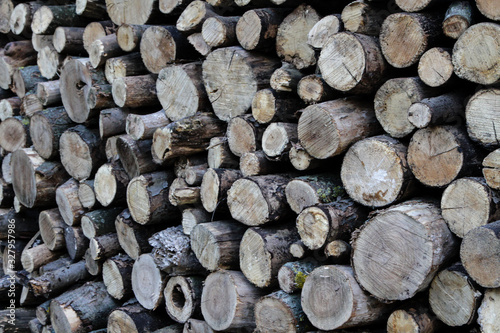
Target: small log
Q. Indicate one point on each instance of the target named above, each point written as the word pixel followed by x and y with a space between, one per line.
pixel 93 9
pixel 323 30
pixel 362 18
pixel 172 252
pixel 216 244
pixel 438 155
pixel 25 79
pixel 277 139
pixel 293 274
pixel 48 93
pixel 71 311
pixel 9 107
pixel 96 30
pixel 490 169
pixel 52 229
pixel 249 73
pixel 47 18
pixel 15 55
pixel 99 222
pixel 129 36
pixel 14 133
pixel 129 64
pixel 197 326
pixel 191 217
pixel 86 193
pixel 134 12
pixel 162 45
pixel 94 267
pixel 105 246
pixel 338 252
pixel 299 250
pixel 228 301
pixel 264 251
pixel 183 297
pixel 286 78
pixel 313 89
pixel 334 287
pixel 244 135
pixel 282 312
pixel 184 195
pixel 257 28
pixel 487 311
pixel 110 183
pixel 148 282
pixel 135 91
pixel 112 121
pixel 268 106
pixel 141 127
pixel 454 297
pixel 40 41
pixel 198 43
pixel 76 243
pixel 329 128
pixel 391 274
pixel 404 37
pixel 194 174
pixel 103 49
pixel 478 254
pixel 135 156
pixel 30 104
pixel 214 187
pixel 147 198
pixel 318 225
pixel 435 67
pixel 413 319
pixel 219 154
pixel 134 318
pixel 35 257
pixel 220 31
pixel 194 15
pixel 481 119
pixel 180 90
pixel 457 19
pixel 444 109
pixel 21 18
pixel 117 276
pixel 392 101
pixel 49 62
pixel 291 38
pixel 54 282
pixel 301 159
pixel 68 203
pixel 257 163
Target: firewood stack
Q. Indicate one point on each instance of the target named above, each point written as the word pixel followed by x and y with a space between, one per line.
pixel 250 165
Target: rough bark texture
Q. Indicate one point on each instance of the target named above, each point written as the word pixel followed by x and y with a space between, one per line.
pixel 183 296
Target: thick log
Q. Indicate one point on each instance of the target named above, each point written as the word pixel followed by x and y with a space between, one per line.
pixel 313 89
pixel 282 312
pixel 291 38
pixel 52 229
pixel 76 243
pixel 300 159
pixel 25 79
pixel 268 106
pixel 14 133
pixel 110 183
pixel 249 73
pixel 216 244
pixel 293 274
pixel 112 121
pixel 286 78
pixel 362 18
pixel 375 171
pixel 172 6
pixel 244 135
pixel 99 222
pixel 391 274
pixel 438 155
pixel 9 107
pixel 70 312
pixel 323 30
pixel 117 276
pixel 392 101
pixel 48 93
pixel 180 90
pixel 172 253
pixel 228 300
pixel 404 37
pixel 47 18
pixel 51 283
pixel 147 198
pixel 328 129
pixel 49 62
pixel 129 64
pixel 479 255
pixel 183 297
pixel 68 202
pixel 93 9
pixel 444 109
pixel 148 282
pixel 457 19
pixel 21 18
pixel 257 28
pixel 220 31
pixel 131 12
pixel 413 319
pixel 481 117
pixel 219 154
pixel 35 180
pixel 264 251
pixel 46 129
pixel 194 15
pixel 162 45
pixel 215 186
pixel 103 49
pixel 135 91
pixel 454 297
pixel 435 67
pixel 96 30
pixel 134 318
pixel 473 44
pixel 258 200
pixel 129 36
pixel 486 312
pixel 488 9
pixel 105 246
pixel 135 156
pixel 318 225
pixel 332 299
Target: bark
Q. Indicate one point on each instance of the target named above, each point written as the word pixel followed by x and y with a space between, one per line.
pixel 269 106
pixel 26 224
pixel 184 195
pixel 30 104
pixel 48 93
pixel 362 18
pixel 76 243
pixel 52 283
pixel 197 326
pixel 444 109
pixel 135 91
pixel 104 246
pixel 323 30
pixel 15 55
pixel 25 79
pixel 457 19
pixel 117 276
pixel 134 318
pixel 293 274
pixel 93 9
pixel 194 174
pixel 33 258
pixel 47 18
pixel 129 64
pixel 220 31
pixel 68 203
pixel 110 183
pixel 96 30
pixel 257 163
pixel 135 156
pixel 286 78
pixel 183 297
pixel 112 121
pixel 172 6
pixel 99 222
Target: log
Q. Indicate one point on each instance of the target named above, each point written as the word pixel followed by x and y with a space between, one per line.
pixel 25 79
pixel 216 244
pixel 362 18
pixel 172 6
pixel 68 203
pixel 147 198
pixel 46 129
pixel 14 133
pixel 103 49
pixel 76 244
pixel 264 251
pixel 404 37
pixel 220 31
pixel 180 90
pixel 99 222
pixel 9 107
pixel 112 121
pixel 214 187
pixel 183 296
pixel 269 105
pixel 468 47
pixel 487 310
pixel 219 154
pixel 282 312
pixel 48 93
pixel 70 312
pixel 291 38
pixel 93 9
pixel 105 246
pixel 135 156
pixel 129 36
pixel 454 297
pixel 392 101
pixel 33 258
pixel 184 195
pixel 228 301
pixel 134 318
pixel 172 253
pixel 286 78
pixel 110 183
pixel 444 109
pixel 413 319
pixel 293 274
pixel 52 229
pixel 47 18
pixel 400 275
pixel 479 255
pixel 323 30
pixel 490 166
pixel 320 224
pixel 194 174
pixel 192 217
pixel 30 104
pixel 148 282
pixel 40 41
pixel 338 252
pixel 244 135
pixel 258 200
pixel 86 193
pixel 186 136
pixel 117 276
pixel 457 19
pixel 488 9
pixel 333 299
pixel 257 28
pixel 480 116
pixel 49 62
pixel 300 159
pixel 141 127
pixel 111 149
pixel 51 283
pixel 135 91
pixel 416 6
pixel 94 267
pixel 438 155
pixel 257 163
pixel 42 313
pixel 162 45
pixel 131 12
pixel 249 73
pixel 194 15
pixel 81 151
pixel 197 326
pixel 313 89
pixel 35 181
pixel 198 43
pixel 96 30
pixel 21 18
pixel 329 128
pixel 375 171
pixel 277 139
pixel 15 55
pixel 129 64
pixel 435 67
pixel 299 250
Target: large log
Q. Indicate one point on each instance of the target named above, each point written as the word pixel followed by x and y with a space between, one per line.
pixel 131 12
pixel 117 276
pixel 481 117
pixel 390 273
pixel 183 297
pixel 21 18
pixel 47 18
pixel 46 129
pixel 148 282
pixel 435 67
pixel 244 135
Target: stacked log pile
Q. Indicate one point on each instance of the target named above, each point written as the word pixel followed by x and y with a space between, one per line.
pixel 249 166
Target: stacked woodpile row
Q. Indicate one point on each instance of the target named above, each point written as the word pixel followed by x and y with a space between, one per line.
pixel 250 165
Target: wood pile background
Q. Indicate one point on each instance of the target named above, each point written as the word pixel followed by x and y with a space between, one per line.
pixel 250 165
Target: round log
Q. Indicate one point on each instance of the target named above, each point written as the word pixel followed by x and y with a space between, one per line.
pixel 129 64
pixel 9 107
pixel 194 15
pixel 76 243
pixel 244 135
pixel 135 156
pixel 99 222
pixel 282 312
pixel 68 202
pixel 220 31
pixel 14 133
pixel 110 183
pixel 54 282
pixel 134 318
pixel 490 169
pixel 482 117
pixel 112 121
pixel 131 12
pixel 293 274
pixel 104 246
pixel 21 18
pixel 129 36
pixel 362 18
pixel 117 276
pixel 435 67
pixel 457 19
pixel 268 106
pixel 183 296
pixel 215 185
pixel 141 127
pixel 447 108
pixel 49 93
pixel 96 30
pixel 148 282
pixel 313 89
pixel 286 78
pixel 46 129
pixel 257 28
pixel 487 311
pixel 47 18
pixel 323 30
pixel 219 155
pixel 135 91
pixel 52 229
pixel 413 319
pixel 25 79
pixel 103 49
